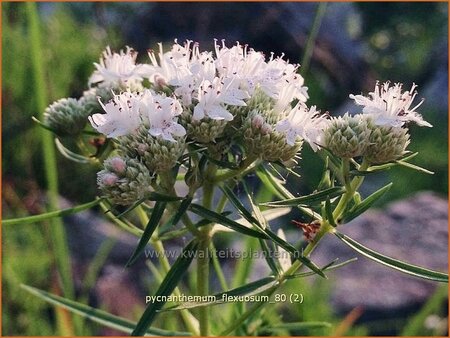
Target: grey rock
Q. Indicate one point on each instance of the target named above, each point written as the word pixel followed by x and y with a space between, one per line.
pixel 413 230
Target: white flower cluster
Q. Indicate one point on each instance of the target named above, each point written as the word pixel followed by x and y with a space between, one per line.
pixel 380 133
pixel 205 85
pixel 185 99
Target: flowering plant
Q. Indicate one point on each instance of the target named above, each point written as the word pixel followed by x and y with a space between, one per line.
pixel 172 135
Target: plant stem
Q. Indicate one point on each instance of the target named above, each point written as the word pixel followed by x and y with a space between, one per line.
pixel 246 166
pixel 350 187
pixel 203 250
pixel 325 228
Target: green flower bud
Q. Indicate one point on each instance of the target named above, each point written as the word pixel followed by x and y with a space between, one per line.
pixel 157 154
pixel 124 180
pixel 261 139
pixel 66 117
pixel 387 144
pixel 203 131
pixel 347 136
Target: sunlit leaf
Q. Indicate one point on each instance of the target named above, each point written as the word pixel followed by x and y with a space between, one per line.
pixel 407 268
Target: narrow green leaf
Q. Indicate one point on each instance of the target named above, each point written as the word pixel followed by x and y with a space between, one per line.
pixel 51 214
pixel 298 326
pixel 98 316
pixel 297 254
pixel 277 188
pixel 239 206
pixel 166 288
pixel 249 289
pixel 70 154
pixel 314 197
pixel 182 208
pixel 218 218
pixel 223 164
pixel 43 125
pixel 152 196
pixel 415 167
pixel 330 266
pixel 365 204
pixel 329 212
pixel 407 268
pixel 157 213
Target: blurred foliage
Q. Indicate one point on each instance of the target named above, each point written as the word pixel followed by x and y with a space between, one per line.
pixel 402 41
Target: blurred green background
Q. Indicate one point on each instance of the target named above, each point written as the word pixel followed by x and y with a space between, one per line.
pixel 358 43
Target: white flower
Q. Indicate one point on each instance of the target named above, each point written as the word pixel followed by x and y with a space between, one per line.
pixel 117 67
pixel 212 96
pixel 390 107
pixel 303 122
pixel 122 116
pixel 160 112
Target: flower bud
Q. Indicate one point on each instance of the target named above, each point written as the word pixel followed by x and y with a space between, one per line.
pixel 65 117
pixel 261 139
pixel 387 144
pixel 124 180
pixel 347 136
pixel 205 130
pixel 157 154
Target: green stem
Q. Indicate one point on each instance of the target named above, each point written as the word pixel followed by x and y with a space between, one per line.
pixel 57 233
pixel 203 250
pixel 351 188
pixel 325 228
pixel 245 167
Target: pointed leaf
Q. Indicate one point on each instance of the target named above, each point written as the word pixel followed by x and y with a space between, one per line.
pixel 366 204
pixel 275 186
pixel 407 268
pixel 415 167
pixel 314 197
pixel 98 316
pixel 252 288
pixel 152 196
pixel 218 218
pixel 297 254
pixel 237 203
pixel 330 266
pixel 157 213
pixel 182 208
pixel 70 154
pixel 51 214
pixel 166 288
pixel 329 212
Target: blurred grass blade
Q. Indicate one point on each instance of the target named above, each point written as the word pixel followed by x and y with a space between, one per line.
pixel 98 316
pixel 252 288
pixel 51 214
pixel 314 197
pixel 166 288
pixel 409 269
pixel 157 213
pixel 218 218
pixel 153 196
pixel 70 154
pixel 296 326
pixel 366 204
